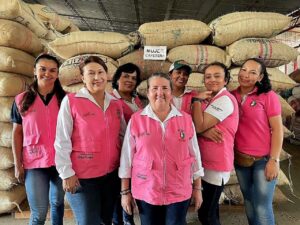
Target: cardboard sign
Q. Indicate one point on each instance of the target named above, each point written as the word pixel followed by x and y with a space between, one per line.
pixel 155 52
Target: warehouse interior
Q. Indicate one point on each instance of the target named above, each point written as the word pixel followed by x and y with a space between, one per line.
pixel 125 16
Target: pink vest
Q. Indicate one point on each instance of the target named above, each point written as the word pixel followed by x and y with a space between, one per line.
pixel 161 166
pixel 96 137
pixel 187 102
pixel 127 110
pixel 219 156
pixel 39 128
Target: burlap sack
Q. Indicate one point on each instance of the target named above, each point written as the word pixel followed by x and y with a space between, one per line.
pixel 173 33
pixel 147 67
pixel 286 132
pixel 274 53
pixel 296 92
pixel 16 61
pixel 199 56
pixel 234 26
pixel 5 106
pixel 234 195
pixel 12 84
pixel 295 75
pixel 69 72
pixel 15 35
pixel 111 44
pixel 20 12
pixel 195 82
pixel 5 134
pixel 279 80
pixel 48 16
pixel 74 88
pixel 287 110
pixel 6 158
pixel 7 179
pixel 9 200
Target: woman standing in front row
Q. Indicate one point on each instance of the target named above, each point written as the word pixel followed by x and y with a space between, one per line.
pixel 88 140
pixel 258 141
pixel 215 110
pixel 160 156
pixel 34 116
pixel 124 83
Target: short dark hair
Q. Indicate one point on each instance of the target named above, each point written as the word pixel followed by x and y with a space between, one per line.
pixel 226 71
pixel 264 86
pixel 91 59
pixel 46 56
pixel 127 68
pixel 162 75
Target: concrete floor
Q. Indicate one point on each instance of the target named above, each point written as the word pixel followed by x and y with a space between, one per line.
pixel 286 213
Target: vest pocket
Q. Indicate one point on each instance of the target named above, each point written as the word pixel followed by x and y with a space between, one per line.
pixel 141 171
pixel 184 172
pixel 31 151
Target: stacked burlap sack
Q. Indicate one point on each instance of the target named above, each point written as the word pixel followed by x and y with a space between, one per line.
pixel 18 43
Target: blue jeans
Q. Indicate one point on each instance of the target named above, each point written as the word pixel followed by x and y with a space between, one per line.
pixel 258 193
pixel 120 216
pixel 41 183
pixel 173 214
pixel 93 202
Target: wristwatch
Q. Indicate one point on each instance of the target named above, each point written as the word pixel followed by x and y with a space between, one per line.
pixel 275 159
pixel 194 99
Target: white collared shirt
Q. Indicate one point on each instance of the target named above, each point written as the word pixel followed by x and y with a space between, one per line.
pixel 177 100
pixel 129 145
pixel 64 130
pixel 132 105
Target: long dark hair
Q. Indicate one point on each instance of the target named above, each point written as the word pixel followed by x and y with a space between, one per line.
pixel 264 86
pixel 32 90
pixel 127 68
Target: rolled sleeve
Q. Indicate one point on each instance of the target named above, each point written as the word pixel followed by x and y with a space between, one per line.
pixel 63 143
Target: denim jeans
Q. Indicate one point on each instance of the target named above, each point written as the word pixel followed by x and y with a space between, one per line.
pixel 41 183
pixel 258 193
pixel 94 200
pixel 120 216
pixel 208 213
pixel 173 214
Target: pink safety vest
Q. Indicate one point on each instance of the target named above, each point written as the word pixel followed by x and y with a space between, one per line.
pixel 96 137
pixel 127 110
pixel 219 156
pixel 187 102
pixel 39 128
pixel 161 166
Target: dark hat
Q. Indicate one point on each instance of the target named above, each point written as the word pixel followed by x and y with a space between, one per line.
pixel 180 64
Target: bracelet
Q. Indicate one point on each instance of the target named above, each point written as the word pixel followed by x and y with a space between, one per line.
pixel 197 188
pixel 194 99
pixel 275 159
pixel 125 192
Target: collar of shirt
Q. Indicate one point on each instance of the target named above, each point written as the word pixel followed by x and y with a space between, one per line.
pixel 46 99
pixel 186 90
pixel 147 111
pixel 84 93
pixel 118 96
pixel 242 100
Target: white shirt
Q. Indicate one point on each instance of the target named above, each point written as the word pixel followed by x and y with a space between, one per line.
pixel 220 108
pixel 64 130
pixel 177 101
pixel 129 145
pixel 132 105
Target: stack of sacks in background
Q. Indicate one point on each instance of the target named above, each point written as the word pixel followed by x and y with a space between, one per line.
pixel 247 35
pixel 77 46
pixel 17 45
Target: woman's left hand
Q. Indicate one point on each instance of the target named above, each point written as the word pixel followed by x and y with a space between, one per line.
pixel 197 196
pixel 271 170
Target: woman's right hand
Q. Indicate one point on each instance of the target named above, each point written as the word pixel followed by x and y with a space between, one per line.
pixel 19 174
pixel 70 184
pixel 128 203
pixel 213 134
pixel 204 95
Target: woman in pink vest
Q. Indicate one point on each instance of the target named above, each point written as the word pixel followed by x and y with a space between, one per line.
pixel 258 141
pixel 182 97
pixel 88 140
pixel 124 83
pixel 161 158
pixel 215 113
pixel 34 115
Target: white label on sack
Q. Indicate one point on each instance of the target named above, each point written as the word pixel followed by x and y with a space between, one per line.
pixel 155 52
